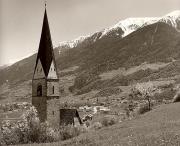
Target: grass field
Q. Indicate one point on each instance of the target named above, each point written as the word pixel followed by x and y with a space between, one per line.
pixel 159 126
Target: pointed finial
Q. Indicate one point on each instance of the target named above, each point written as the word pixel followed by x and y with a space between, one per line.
pixel 45 2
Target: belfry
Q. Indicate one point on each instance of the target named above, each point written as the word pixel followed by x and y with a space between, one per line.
pixel 45 82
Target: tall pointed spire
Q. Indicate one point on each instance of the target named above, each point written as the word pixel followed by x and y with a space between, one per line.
pixel 45 52
pixel 45 3
pixel 45 82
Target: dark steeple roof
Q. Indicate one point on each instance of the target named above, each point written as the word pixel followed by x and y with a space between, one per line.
pixel 45 52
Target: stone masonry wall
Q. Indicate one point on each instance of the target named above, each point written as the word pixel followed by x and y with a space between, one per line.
pixel 36 83
pixel 50 85
pixel 40 102
pixel 47 105
pixel 53 115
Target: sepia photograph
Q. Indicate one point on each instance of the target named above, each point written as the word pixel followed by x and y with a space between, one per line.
pixel 89 72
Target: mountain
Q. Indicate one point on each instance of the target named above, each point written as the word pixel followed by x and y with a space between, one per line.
pixel 158 42
pixel 4 66
pixel 127 26
pixel 83 67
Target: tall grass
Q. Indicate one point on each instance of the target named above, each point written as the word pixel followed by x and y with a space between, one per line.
pixel 108 121
pixel 69 131
pixel 164 139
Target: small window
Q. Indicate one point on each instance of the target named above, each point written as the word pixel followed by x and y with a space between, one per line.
pixel 41 70
pixel 39 90
pixel 54 69
pixel 53 90
pixel 52 112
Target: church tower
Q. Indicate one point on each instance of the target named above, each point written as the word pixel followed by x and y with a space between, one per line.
pixel 45 82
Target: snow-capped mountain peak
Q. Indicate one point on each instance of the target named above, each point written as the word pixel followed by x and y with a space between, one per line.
pixel 172 18
pixel 128 26
pixel 73 43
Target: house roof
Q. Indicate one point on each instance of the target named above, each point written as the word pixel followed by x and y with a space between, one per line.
pixel 67 116
pixel 45 52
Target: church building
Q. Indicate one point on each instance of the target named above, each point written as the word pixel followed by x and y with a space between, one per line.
pixel 45 82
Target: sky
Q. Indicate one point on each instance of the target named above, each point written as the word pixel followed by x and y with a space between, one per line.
pixel 21 20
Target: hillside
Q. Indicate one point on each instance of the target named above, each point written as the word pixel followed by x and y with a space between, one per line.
pixel 81 68
pixel 146 46
pixel 157 127
pixel 162 123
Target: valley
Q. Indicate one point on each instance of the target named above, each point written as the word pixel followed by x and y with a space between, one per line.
pixel 99 74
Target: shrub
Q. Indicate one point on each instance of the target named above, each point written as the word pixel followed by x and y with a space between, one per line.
pixel 67 132
pixel 87 123
pixel 108 121
pixel 47 134
pixel 9 134
pixel 96 126
pixel 143 109
pixel 27 130
pixel 2 143
pixel 166 94
pixel 129 107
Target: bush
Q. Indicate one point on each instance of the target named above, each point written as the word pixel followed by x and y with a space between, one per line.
pixel 143 109
pixel 67 132
pixel 10 134
pixel 47 134
pixel 108 121
pixel 129 107
pixel 87 123
pixel 96 126
pixel 166 94
pixel 27 130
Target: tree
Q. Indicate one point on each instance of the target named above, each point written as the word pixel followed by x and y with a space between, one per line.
pixel 146 90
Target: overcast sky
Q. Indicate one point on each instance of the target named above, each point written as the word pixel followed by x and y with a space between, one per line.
pixel 21 20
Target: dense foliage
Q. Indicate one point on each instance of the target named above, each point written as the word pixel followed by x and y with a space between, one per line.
pixel 27 130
